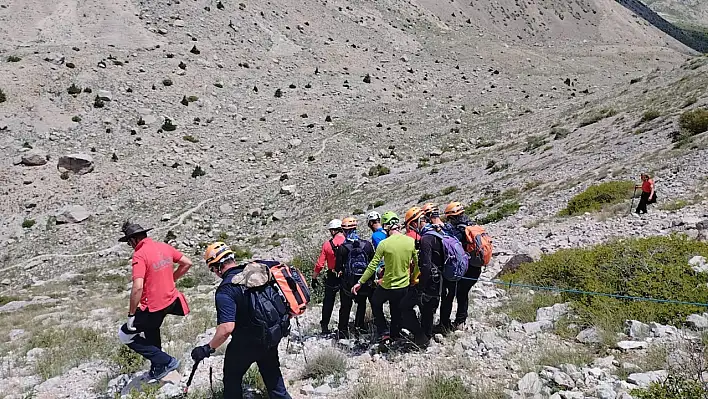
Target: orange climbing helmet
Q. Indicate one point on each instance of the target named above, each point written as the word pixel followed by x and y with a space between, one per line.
pixel 216 254
pixel 349 223
pixel 429 208
pixel 454 208
pixel 412 215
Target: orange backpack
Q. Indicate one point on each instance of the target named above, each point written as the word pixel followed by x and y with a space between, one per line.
pixel 479 244
pixel 292 286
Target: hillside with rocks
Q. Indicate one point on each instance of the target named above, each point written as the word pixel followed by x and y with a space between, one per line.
pixel 256 123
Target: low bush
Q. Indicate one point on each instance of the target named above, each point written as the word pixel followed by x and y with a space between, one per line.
pixel 254 380
pixel 439 386
pixel 3 97
pixel 534 142
pixel 127 360
pixel 448 190
pixel 523 307
pixel 594 198
pixel 507 209
pixel 559 133
pixel 27 223
pixel 241 253
pixel 67 348
pixel 327 362
pixel 650 116
pixel 186 282
pixel 379 170
pixel 597 116
pixel 14 58
pixel 190 138
pixel 655 267
pixel 426 197
pixel 379 203
pixel 674 387
pixel 4 299
pixel 473 208
pixel 694 122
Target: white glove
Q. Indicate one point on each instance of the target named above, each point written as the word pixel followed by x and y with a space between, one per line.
pixel 129 324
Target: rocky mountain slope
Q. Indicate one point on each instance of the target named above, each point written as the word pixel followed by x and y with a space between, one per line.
pixel 258 122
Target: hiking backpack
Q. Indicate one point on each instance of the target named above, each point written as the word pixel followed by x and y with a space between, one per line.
pixel 268 314
pixel 479 245
pixel 456 259
pixel 292 286
pixel 356 262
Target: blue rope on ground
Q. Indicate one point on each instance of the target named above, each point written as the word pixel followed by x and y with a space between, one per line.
pixel 582 292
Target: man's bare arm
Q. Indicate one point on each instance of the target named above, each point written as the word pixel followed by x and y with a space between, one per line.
pixel 184 264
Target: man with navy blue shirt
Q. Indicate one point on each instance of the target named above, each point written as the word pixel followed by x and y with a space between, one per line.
pixel 232 313
pixel 373 219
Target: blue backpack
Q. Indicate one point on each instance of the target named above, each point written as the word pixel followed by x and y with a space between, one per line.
pixel 357 260
pixel 456 259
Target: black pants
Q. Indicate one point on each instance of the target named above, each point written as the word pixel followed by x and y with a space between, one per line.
pixel 346 301
pixel 149 323
pixel 421 328
pixel 643 201
pixel 332 286
pixel 393 297
pixel 237 362
pixel 461 291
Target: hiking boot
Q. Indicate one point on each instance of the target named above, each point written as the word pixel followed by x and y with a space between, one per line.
pixel 341 334
pixel 441 328
pixel 458 325
pixel 159 372
pixel 325 329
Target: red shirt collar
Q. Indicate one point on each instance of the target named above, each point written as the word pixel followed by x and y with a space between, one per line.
pixel 141 243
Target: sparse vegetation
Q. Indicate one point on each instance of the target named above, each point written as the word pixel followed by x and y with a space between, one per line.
pixel 76 118
pixel 426 197
pixel 649 116
pixel 523 307
pixel 7 299
pixel 507 209
pixel 3 97
pixel 439 386
pixel 74 89
pixel 254 380
pixel 694 122
pixel 379 170
pixel 241 253
pixel 494 167
pixel 674 387
pixel 474 207
pixel 448 190
pixel 186 282
pixel 597 116
pixel 190 138
pixel 594 198
pixel 534 142
pixel 559 133
pixel 327 362
pixel 379 203
pixel 358 211
pixel 655 267
pixel 67 348
pixel 128 361
pixel 674 205
pixel 554 356
pixel 14 58
pixel 27 223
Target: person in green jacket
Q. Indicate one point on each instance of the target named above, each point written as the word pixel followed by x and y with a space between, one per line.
pixel 399 255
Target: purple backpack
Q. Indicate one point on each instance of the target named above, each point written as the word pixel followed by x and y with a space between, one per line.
pixel 456 259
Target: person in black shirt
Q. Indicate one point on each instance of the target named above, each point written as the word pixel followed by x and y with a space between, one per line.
pixel 426 293
pixel 232 313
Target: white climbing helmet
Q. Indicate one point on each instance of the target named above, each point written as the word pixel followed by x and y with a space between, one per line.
pixel 334 224
pixel 372 216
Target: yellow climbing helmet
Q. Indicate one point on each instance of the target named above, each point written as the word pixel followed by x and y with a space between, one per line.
pixel 217 253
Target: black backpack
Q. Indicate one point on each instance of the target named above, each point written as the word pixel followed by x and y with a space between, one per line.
pixel 266 308
pixel 268 314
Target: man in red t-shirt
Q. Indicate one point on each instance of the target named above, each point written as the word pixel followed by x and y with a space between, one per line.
pixel 332 283
pixel 152 297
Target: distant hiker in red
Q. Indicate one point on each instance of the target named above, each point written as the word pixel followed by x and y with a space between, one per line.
pixel 332 282
pixel 152 297
pixel 648 193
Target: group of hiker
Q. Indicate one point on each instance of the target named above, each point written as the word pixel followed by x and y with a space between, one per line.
pixel 419 261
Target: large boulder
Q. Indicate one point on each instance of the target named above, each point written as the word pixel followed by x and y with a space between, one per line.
pixel 513 264
pixel 79 164
pixel 699 322
pixel 553 313
pixel 35 158
pixel 72 214
pixel 530 384
pixel 643 380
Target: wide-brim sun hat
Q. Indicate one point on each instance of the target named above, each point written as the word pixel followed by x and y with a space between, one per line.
pixel 130 230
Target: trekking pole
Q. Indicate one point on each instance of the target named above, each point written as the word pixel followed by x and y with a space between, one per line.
pixel 302 343
pixel 211 382
pixel 634 194
pixel 191 376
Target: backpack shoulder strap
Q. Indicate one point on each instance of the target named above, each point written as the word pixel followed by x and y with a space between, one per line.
pixel 331 243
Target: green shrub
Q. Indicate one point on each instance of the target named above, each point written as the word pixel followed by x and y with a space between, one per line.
pixel 3 97
pixel 27 223
pixel 379 203
pixel 254 380
pixel 76 118
pixel 4 299
pixel 559 133
pixel 474 207
pixel 448 190
pixel 14 58
pixel 186 282
pixel 650 116
pixel 534 142
pixel 379 170
pixel 554 356
pixel 441 387
pixel 507 209
pixel 241 253
pixel 655 267
pixel 426 197
pixel 674 387
pixel 694 122
pixel 523 307
pixel 597 196
pixel 597 116
pixel 674 205
pixel 495 167
pixel 190 138
pixel 74 89
pixel 327 362
pixel 128 361
pixel 370 388
pixel 358 211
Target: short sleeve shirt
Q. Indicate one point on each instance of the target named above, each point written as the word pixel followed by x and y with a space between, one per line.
pixel 154 262
pixel 226 298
